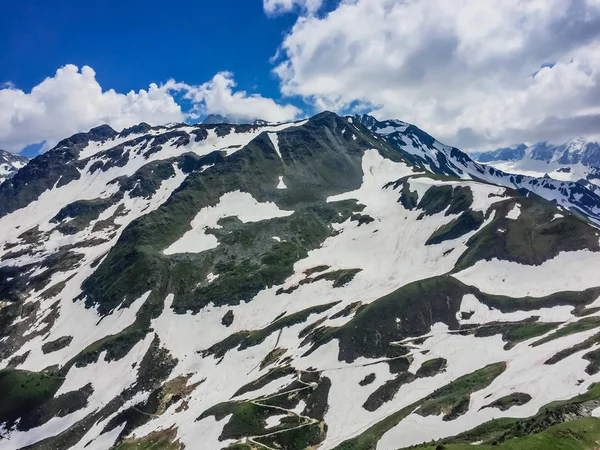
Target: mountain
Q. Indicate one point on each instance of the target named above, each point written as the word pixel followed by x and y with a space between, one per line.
pixel 9 164
pixel 213 119
pixel 576 151
pixel 577 161
pixel 515 153
pixel 333 283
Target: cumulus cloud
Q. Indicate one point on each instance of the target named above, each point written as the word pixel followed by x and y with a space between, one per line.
pixel 274 7
pixel 72 101
pixel 471 72
pixel 218 96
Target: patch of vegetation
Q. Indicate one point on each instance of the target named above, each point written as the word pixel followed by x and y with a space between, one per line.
pixel 387 391
pixel 409 311
pixel 452 400
pixel 588 343
pixel 246 339
pixel 585 324
pixel 464 385
pixel 436 199
pixel 508 401
pixel 272 375
pixel 362 219
pixel 506 432
pixel 579 434
pixel 24 392
pixel 116 347
pixel 513 332
pixel 60 406
pixel 347 310
pixel 57 344
pixel 81 213
pixel 316 401
pixel 272 357
pixel 409 199
pixel 594 362
pixel 432 367
pixel 465 223
pixel 368 379
pixel 439 198
pixel 157 440
pixel 340 278
pixel 316 269
pixel 301 438
pixel 532 238
pixel 247 419
pixel 227 319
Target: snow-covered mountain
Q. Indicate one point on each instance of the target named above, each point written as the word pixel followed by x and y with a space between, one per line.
pixel 576 151
pixel 214 119
pixel 10 164
pixel 577 161
pixel 333 283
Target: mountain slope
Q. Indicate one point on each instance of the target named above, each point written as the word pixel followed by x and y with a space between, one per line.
pixel 422 150
pixel 318 284
pixel 10 164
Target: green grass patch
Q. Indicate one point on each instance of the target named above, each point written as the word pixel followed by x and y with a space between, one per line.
pixel 579 434
pixel 585 324
pixel 450 400
pixel 24 391
pixel 508 401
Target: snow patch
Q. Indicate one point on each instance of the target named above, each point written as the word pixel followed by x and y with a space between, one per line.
pixel 569 271
pixel 237 203
pixel 281 184
pixel 515 212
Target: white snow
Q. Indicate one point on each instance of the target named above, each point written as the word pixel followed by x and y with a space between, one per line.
pixel 569 271
pixel 237 203
pixel 281 184
pixel 525 372
pixel 484 314
pixel 515 212
pixel 273 421
pixel 275 141
pixel 211 277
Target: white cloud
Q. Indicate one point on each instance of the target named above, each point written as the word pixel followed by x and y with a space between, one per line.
pixel 218 96
pixel 72 101
pixel 462 70
pixel 274 7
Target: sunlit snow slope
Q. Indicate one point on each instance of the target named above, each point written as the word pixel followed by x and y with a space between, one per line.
pixel 335 283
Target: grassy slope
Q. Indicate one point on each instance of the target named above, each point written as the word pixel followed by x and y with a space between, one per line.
pixel 579 434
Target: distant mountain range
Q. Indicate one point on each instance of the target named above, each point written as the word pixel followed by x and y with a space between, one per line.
pixel 9 164
pixel 577 160
pixel 214 119
pixel 576 151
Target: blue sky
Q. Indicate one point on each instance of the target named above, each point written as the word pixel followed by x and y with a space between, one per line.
pixel 133 43
pixel 475 74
